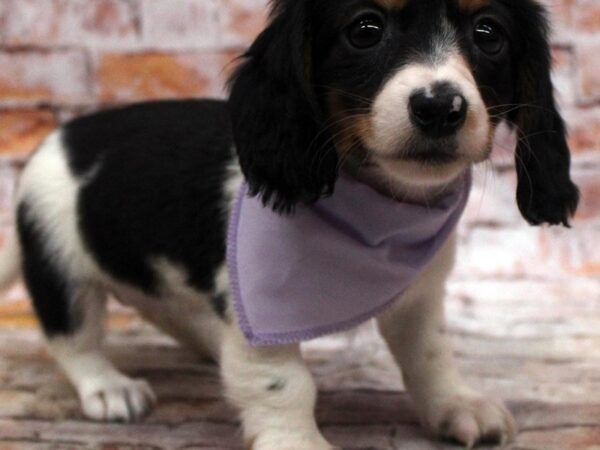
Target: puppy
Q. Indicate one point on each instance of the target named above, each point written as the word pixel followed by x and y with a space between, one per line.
pixel 399 97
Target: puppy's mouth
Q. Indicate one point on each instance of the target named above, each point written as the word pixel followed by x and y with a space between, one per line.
pixel 439 155
pixel 431 156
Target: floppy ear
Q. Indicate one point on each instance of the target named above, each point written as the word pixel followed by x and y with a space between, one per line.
pixel 545 192
pixel 285 156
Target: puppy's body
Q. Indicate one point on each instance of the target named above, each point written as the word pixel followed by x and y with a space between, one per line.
pixel 135 202
pixel 135 196
pixel 88 228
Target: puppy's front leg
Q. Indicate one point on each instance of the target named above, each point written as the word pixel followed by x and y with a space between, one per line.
pixel 414 329
pixel 275 393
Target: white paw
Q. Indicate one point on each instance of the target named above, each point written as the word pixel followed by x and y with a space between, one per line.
pixel 116 398
pixel 289 440
pixel 471 420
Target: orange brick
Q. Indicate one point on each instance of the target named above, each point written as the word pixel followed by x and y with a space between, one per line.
pixel 192 24
pixel 15 307
pixel 586 16
pixel 67 22
pixel 134 77
pixel 242 20
pixel 21 131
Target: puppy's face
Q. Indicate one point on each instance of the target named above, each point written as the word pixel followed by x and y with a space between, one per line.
pixel 405 90
pixel 408 86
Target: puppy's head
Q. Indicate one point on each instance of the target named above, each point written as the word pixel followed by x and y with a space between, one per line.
pixel 407 90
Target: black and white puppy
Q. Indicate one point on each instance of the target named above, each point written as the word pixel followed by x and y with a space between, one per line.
pixel 134 202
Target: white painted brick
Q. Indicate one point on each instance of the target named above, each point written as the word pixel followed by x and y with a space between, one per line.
pixel 519 252
pixel 51 23
pixel 192 24
pixel 34 77
pixel 492 200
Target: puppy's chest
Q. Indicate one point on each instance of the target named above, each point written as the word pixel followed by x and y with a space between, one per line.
pixel 332 265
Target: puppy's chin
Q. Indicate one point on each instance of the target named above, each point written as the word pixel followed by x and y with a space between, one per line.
pixel 425 170
pixel 421 172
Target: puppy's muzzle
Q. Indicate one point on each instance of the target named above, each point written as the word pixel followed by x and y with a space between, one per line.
pixel 438 112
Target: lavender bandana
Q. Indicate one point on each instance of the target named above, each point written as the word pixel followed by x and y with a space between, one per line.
pixel 332 265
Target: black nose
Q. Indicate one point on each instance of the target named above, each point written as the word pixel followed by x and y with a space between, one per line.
pixel 438 112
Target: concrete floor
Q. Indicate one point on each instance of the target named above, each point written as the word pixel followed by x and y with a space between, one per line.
pixel 535 344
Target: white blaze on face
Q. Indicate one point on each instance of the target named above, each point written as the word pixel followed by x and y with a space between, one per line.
pixel 391 129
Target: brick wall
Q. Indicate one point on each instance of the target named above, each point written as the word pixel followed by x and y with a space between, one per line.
pixel 60 58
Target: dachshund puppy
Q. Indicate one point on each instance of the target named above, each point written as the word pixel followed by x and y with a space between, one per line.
pixel 336 103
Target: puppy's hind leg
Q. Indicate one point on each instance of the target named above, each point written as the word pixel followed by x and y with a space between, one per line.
pixel 105 393
pixel 71 311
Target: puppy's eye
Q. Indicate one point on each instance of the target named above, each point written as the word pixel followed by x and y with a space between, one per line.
pixel 489 37
pixel 366 32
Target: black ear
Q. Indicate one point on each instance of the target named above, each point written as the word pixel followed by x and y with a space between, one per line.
pixel 285 156
pixel 545 192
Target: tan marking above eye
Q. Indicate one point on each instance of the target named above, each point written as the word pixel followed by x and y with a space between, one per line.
pixel 472 5
pixel 392 5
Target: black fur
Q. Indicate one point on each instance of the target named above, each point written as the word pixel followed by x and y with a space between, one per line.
pixel 545 192
pixel 51 292
pixel 219 304
pixel 284 153
pixel 158 189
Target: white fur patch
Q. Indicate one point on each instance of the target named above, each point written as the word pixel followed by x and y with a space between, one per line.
pixel 104 392
pixel 50 191
pixel 178 309
pixel 232 186
pixel 275 392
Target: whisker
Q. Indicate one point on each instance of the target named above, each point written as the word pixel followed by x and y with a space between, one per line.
pixel 365 100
